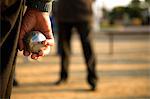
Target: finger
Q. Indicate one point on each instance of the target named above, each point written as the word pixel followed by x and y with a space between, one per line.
pixel 34 56
pixel 21 35
pixel 49 42
pixel 26 26
pixel 44 42
pixel 46 51
pixel 26 53
pixel 41 53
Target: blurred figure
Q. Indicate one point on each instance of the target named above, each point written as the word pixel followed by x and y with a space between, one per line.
pixel 76 14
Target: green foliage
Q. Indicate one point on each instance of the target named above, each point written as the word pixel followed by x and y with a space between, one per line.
pixel 135 4
pixel 134 12
pixel 117 12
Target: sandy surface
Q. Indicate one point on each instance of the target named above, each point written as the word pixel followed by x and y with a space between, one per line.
pixel 123 75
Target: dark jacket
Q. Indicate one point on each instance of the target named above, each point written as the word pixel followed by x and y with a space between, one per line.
pixel 74 10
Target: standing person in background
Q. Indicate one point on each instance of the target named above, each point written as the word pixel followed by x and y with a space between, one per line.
pixel 76 14
pixel 14 26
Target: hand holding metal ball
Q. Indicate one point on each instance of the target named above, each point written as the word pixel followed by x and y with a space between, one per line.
pixel 34 42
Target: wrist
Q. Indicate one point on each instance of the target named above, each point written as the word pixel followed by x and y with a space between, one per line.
pixel 41 5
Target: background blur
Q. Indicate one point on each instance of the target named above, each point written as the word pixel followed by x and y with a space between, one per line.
pixel 121 31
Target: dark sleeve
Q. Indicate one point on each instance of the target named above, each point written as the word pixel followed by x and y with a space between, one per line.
pixel 42 5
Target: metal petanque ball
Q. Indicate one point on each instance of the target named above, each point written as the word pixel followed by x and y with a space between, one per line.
pixel 33 41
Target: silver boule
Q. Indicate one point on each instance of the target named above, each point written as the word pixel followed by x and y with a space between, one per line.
pixel 33 41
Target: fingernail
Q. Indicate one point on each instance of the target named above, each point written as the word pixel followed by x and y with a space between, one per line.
pixel 40 53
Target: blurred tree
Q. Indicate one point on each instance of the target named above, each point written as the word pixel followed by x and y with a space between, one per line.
pixel 135 4
pixel 134 9
pixel 117 13
pixel 146 12
pixel 136 13
pixel 140 10
pixel 147 1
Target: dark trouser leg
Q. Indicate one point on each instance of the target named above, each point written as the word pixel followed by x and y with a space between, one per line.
pixel 9 42
pixel 64 41
pixel 84 31
pixel 9 51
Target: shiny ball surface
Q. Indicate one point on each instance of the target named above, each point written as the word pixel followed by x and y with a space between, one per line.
pixel 33 41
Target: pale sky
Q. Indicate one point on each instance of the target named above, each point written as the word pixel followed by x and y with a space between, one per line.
pixel 111 3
